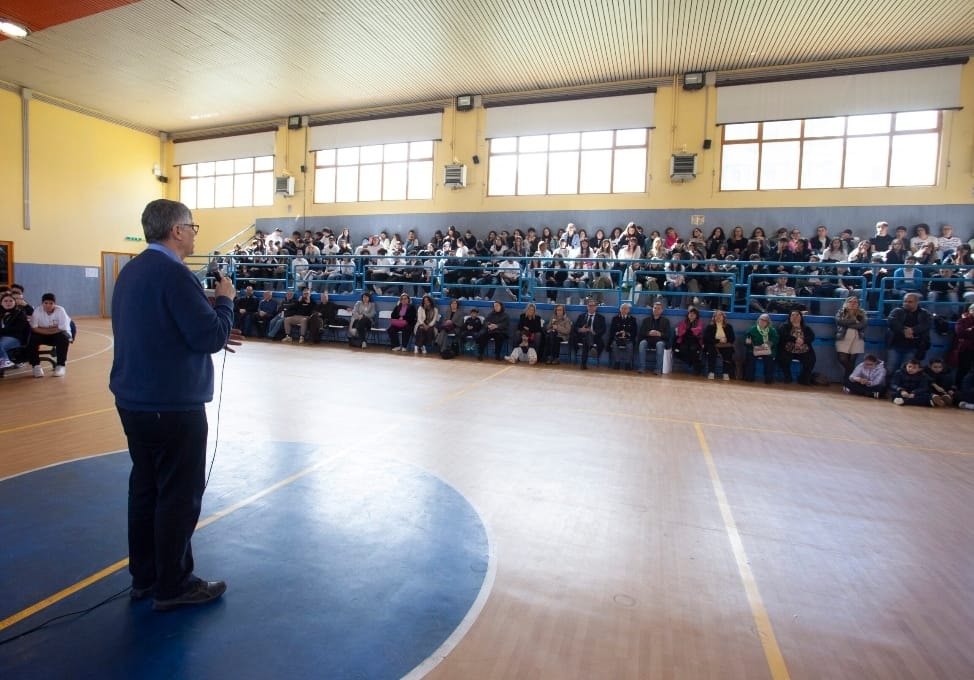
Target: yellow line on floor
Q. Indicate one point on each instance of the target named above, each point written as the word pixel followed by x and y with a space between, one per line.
pixel 60 595
pixel 776 662
pixel 42 423
pixel 476 383
pixel 121 564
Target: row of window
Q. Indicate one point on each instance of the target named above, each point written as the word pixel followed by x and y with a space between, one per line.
pixel 879 150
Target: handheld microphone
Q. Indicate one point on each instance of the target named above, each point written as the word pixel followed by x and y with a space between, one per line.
pixel 217 276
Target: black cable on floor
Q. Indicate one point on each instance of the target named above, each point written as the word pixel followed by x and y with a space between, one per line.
pixel 79 614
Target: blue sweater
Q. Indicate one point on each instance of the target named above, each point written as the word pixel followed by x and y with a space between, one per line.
pixel 165 331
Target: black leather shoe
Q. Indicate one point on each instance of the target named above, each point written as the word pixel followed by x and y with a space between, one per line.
pixel 200 592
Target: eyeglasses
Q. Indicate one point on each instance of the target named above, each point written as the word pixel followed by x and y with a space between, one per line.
pixel 194 227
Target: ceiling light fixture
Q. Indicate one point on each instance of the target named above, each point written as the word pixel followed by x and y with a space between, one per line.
pixel 12 29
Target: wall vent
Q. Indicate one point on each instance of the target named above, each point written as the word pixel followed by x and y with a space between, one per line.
pixel 455 176
pixel 284 185
pixel 683 167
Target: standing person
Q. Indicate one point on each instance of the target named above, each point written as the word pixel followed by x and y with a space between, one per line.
pixel 850 328
pixel 162 375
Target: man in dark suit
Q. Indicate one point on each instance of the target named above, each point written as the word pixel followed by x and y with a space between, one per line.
pixel 589 330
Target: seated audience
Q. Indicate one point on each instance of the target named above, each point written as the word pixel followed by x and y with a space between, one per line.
pixel 868 379
pixel 589 332
pixel 523 350
pixel 908 332
pixel 267 309
pixel 363 317
pixel 470 331
pixel 449 326
pixel 427 318
pixel 718 343
pixel 941 380
pixel 761 344
pixel 301 311
pixel 911 387
pixel 622 337
pixel 688 346
pixel 495 328
pixel 795 342
pixel 402 323
pixel 850 322
pixel 654 336
pixel 50 325
pixel 559 330
pixel 14 328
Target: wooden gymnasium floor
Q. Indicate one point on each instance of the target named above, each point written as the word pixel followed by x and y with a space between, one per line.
pixel 642 527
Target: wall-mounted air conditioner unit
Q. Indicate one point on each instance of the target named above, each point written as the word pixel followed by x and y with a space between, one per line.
pixel 455 176
pixel 284 185
pixel 683 167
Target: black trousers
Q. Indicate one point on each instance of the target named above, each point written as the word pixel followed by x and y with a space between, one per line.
pixel 59 341
pixel 168 451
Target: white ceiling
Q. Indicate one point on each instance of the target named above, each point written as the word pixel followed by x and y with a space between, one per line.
pixel 179 65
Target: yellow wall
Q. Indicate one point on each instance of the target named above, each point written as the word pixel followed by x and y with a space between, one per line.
pixel 89 181
pixel 683 120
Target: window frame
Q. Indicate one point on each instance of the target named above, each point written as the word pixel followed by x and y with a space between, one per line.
pixel 891 135
pixel 406 165
pixel 265 163
pixel 581 151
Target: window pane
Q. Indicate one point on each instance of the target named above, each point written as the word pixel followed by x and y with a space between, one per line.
pixel 865 161
pixel 370 182
pixel 347 183
pixel 224 167
pixel 629 174
pixel 782 129
pixel 502 175
pixel 263 188
pixel 370 154
pixel 188 170
pixel 869 125
pixel 917 120
pixel 566 142
pixel 779 165
pixel 739 167
pixel 597 140
pixel 204 192
pixel 396 152
pixel 325 157
pixel 421 180
pixel 531 173
pixel 204 169
pixel 243 165
pixel 563 173
pixel 224 191
pixel 825 127
pixel 636 137
pixel 243 190
pixel 395 182
pixel 187 193
pixel 596 171
pixel 325 185
pixel 741 131
pixel 420 150
pixel 263 163
pixel 914 160
pixel 503 145
pixel 348 156
pixel 822 164
pixel 533 143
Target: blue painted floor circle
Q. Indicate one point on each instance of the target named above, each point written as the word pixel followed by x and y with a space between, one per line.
pixel 342 567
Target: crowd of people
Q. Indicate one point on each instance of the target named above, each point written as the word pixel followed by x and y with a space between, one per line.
pixel 24 330
pixel 703 347
pixel 782 271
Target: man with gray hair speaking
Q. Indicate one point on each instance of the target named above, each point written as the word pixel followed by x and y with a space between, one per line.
pixel 162 376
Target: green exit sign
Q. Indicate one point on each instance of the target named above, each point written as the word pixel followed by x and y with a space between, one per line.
pixel 134 238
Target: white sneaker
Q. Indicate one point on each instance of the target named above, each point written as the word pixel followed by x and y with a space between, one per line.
pixel 727 376
pixel 416 351
pixel 301 340
pixel 510 359
pixel 38 372
pixel 364 345
pixel 966 405
pixel 287 338
pixel 6 363
pixel 59 371
pixel 711 376
pixel 422 350
pixel 397 349
pixel 898 401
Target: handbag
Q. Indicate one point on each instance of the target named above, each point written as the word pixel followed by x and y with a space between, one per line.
pixel 761 350
pixel 667 361
pixel 398 323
